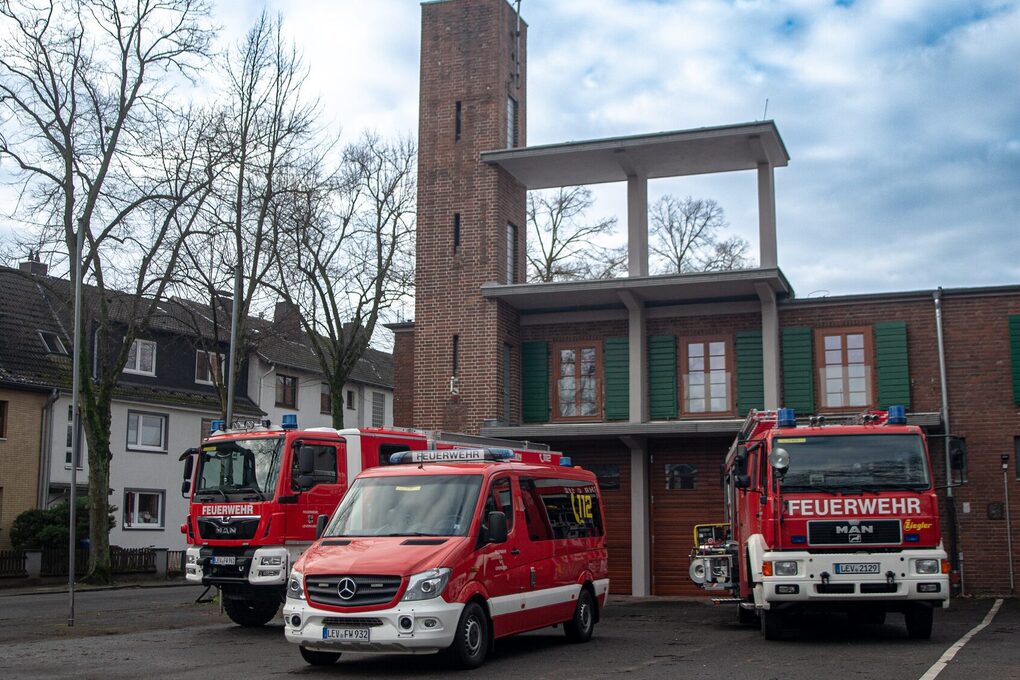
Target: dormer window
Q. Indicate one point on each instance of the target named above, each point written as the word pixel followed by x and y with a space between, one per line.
pixel 208 367
pixel 52 343
pixel 141 358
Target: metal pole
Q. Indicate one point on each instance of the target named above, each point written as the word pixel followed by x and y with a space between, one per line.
pixel 235 314
pixel 955 554
pixel 1009 529
pixel 78 274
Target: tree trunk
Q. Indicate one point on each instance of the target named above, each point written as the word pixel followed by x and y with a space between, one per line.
pixel 336 403
pixel 97 422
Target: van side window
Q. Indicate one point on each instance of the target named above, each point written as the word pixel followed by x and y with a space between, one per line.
pixel 500 499
pixel 563 508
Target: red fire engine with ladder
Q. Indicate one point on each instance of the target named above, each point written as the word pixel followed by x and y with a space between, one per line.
pixel 838 513
pixel 258 493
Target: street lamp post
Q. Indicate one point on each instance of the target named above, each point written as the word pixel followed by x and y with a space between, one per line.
pixel 1009 528
pixel 79 274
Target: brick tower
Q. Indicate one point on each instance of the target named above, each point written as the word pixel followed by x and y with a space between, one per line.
pixel 471 216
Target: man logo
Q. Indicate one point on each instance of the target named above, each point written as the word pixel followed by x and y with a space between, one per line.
pixel 347 588
pixel 855 532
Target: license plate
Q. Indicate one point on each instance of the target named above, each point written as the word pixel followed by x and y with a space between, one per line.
pixel 225 560
pixel 857 568
pixel 353 634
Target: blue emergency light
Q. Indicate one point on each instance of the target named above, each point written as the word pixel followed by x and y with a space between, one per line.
pixel 786 418
pixel 566 462
pixel 897 415
pixel 216 426
pixel 289 421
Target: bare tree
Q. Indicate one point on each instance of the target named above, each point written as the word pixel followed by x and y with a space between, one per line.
pixel 346 253
pixel 85 122
pixel 562 243
pixel 685 237
pixel 267 140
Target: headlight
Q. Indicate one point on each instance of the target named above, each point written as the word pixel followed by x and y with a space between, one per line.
pixel 427 585
pixel 785 567
pixel 191 558
pixel 272 561
pixel 295 586
pixel 926 566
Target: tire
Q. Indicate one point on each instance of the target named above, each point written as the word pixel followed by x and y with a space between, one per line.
pixel 747 617
pixel 251 613
pixel 919 620
pixel 581 626
pixel 771 624
pixel 471 641
pixel 319 658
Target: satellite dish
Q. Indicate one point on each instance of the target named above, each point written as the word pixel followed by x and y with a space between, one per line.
pixel 780 459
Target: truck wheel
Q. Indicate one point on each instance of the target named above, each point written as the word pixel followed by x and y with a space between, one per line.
pixel 471 641
pixel 582 625
pixel 771 624
pixel 919 620
pixel 319 658
pixel 251 613
pixel 747 617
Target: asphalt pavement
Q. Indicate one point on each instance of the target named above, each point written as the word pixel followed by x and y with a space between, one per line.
pixel 151 632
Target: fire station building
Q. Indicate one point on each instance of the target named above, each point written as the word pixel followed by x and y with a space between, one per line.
pixel 646 379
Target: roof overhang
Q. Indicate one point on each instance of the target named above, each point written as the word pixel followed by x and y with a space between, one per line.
pixel 726 148
pixel 651 291
pixel 654 429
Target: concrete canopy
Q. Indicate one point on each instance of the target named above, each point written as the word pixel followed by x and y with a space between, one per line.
pixel 725 148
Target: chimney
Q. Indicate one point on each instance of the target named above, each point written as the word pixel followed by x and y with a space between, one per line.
pixel 33 266
pixel 287 318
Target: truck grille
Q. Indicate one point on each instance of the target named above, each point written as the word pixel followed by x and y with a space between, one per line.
pixel 368 590
pixel 353 621
pixel 854 532
pixel 217 528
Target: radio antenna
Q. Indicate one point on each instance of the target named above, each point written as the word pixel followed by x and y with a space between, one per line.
pixel 765 113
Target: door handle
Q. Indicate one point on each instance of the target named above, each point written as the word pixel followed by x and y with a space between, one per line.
pixel 515 551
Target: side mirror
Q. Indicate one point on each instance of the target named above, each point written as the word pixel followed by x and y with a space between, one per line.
pixel 306 460
pixel 742 481
pixel 189 469
pixel 740 460
pixel 497 527
pixel 320 525
pixel 304 482
pixel 780 460
pixel 957 460
pixel 185 488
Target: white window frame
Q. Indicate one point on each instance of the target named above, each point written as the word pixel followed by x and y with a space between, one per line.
pixel 135 446
pixel 133 524
pixel 382 414
pixel 69 452
pixel 137 348
pixel 199 353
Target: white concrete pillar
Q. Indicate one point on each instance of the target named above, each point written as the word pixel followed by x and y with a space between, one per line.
pixel 637 225
pixel 637 345
pixel 768 253
pixel 640 524
pixel 769 344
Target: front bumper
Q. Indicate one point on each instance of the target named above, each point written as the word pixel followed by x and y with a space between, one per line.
pixel 268 566
pixel 817 579
pixel 434 623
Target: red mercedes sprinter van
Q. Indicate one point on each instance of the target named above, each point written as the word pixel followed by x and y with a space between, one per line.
pixel 448 551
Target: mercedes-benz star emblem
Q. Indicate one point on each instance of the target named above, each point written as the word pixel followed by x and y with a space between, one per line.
pixel 347 588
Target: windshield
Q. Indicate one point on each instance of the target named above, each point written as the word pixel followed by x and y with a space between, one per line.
pixel 855 462
pixel 242 467
pixel 434 505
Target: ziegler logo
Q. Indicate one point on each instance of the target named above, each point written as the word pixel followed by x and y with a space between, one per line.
pixel 913 525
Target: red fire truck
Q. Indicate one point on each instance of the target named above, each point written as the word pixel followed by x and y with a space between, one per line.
pixel 835 513
pixel 257 493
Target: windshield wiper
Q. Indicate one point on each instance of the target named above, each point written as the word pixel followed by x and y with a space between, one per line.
pixel 251 489
pixel 216 490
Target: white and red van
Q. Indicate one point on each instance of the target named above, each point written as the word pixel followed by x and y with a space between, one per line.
pixel 448 551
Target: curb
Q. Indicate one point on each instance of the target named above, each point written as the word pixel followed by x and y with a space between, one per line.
pixel 88 588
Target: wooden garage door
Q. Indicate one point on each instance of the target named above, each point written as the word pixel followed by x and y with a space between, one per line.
pixel 684 480
pixel 611 463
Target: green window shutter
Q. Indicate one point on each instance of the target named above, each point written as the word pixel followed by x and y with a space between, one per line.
pixel 798 370
pixel 750 374
pixel 616 370
pixel 662 404
pixel 891 364
pixel 1014 353
pixel 535 382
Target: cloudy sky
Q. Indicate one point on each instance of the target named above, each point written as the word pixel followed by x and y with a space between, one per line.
pixel 902 117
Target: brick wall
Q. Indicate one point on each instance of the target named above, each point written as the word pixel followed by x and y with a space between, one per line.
pixel 19 457
pixel 403 378
pixel 467 55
